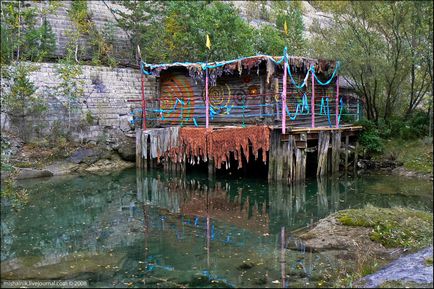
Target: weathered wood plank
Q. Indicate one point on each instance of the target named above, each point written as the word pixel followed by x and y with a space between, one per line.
pixel 290 151
pixel 139 148
pixel 347 138
pixel 323 146
pixel 336 147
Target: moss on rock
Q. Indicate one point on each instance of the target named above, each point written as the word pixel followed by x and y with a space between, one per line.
pixel 392 227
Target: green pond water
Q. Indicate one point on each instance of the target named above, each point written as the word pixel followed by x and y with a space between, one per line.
pixel 130 230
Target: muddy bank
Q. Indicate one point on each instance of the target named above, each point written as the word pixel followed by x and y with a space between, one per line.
pixel 27 161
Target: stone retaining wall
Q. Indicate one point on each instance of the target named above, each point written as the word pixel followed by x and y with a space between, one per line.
pixel 102 108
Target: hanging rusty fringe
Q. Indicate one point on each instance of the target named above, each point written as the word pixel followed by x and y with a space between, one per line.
pixel 236 140
pixel 196 144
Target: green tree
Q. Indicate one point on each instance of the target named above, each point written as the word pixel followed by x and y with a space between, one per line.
pixel 384 49
pixel 165 36
pixel 142 21
pixel 269 40
pixel 22 37
pixel 291 12
pixel 20 101
pixel 230 35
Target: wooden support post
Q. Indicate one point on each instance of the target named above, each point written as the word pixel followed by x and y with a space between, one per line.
pixel 346 153
pixel 281 159
pixel 145 151
pixel 303 165
pixel 143 102
pixel 290 158
pixel 272 155
pixel 206 99
pixel 285 72
pixel 312 99
pixel 323 147
pixel 336 146
pixel 300 161
pixel 337 102
pixel 285 157
pixel 139 148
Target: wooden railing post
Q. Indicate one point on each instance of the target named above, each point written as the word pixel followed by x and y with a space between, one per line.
pixel 143 102
pixel 337 101
pixel 206 99
pixel 312 99
pixel 285 67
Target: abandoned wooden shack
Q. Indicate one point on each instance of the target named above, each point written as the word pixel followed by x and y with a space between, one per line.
pixel 260 111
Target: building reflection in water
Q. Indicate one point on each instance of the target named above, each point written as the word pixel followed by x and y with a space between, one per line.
pixel 178 227
pixel 275 209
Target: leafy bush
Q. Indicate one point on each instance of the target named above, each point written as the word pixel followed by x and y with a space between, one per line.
pixel 414 126
pixel 370 137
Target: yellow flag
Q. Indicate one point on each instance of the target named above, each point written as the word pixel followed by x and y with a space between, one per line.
pixel 285 27
pixel 208 42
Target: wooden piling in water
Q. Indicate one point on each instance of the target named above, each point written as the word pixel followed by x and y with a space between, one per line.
pixel 300 167
pixel 290 158
pixel 347 138
pixel 323 147
pixel 272 156
pixel 139 149
pixel 336 147
pixel 286 152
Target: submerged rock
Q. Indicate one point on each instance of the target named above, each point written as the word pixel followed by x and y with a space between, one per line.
pixel 62 168
pixel 246 266
pixel 27 173
pixel 55 267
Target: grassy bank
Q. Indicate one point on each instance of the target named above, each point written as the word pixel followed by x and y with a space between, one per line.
pixel 392 227
pixel 416 154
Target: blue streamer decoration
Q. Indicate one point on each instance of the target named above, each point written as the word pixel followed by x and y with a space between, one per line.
pixel 301 108
pixel 331 78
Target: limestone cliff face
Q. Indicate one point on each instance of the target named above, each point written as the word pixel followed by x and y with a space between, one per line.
pixel 104 19
pixel 250 11
pixel 102 15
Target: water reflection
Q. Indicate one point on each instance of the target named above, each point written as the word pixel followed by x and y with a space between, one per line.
pixel 132 229
pixel 265 207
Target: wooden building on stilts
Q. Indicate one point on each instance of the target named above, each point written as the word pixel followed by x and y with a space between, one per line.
pixel 286 115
